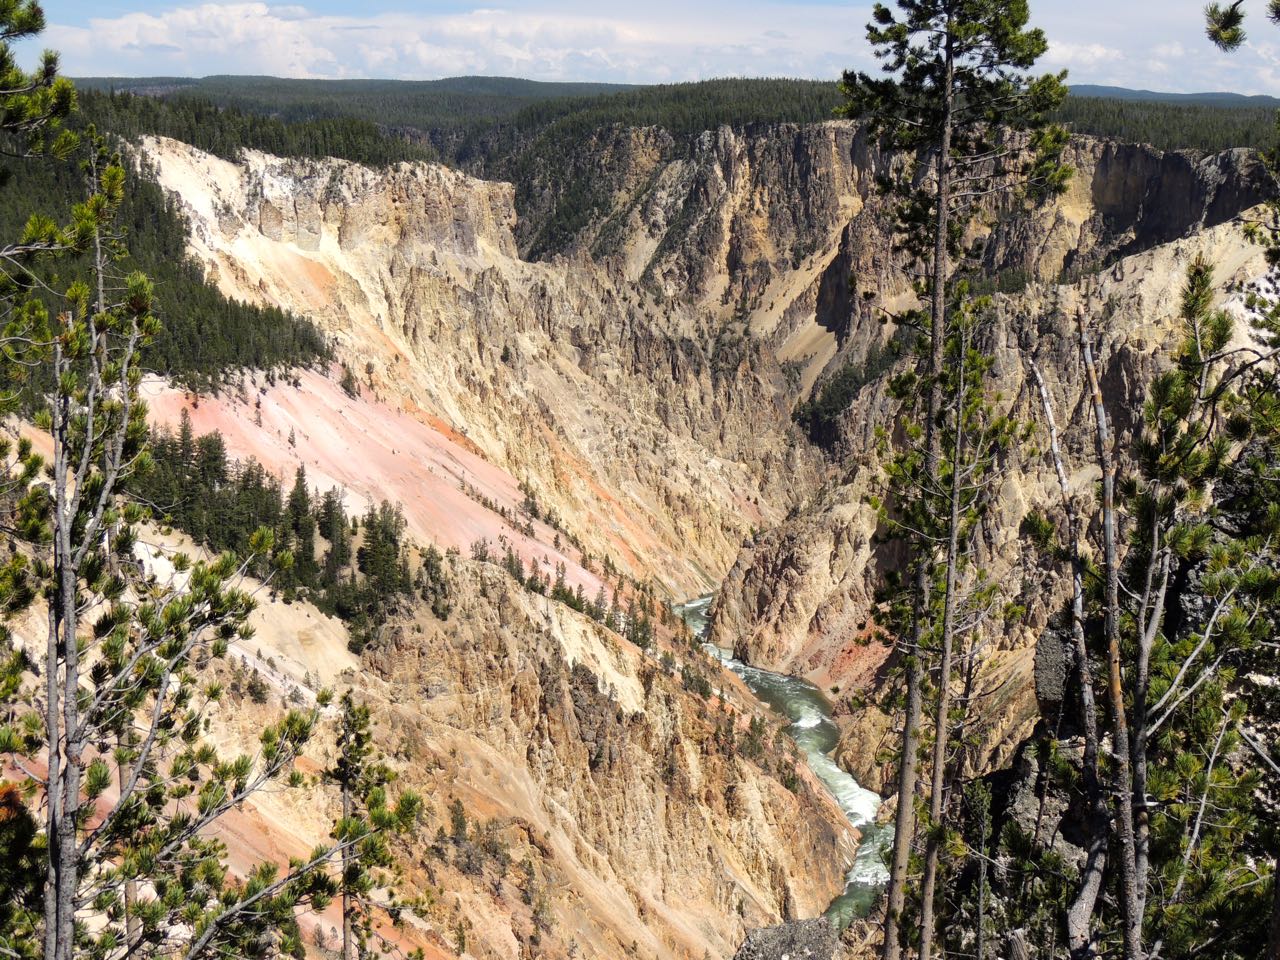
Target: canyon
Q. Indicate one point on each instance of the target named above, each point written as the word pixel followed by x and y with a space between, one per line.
pixel 639 385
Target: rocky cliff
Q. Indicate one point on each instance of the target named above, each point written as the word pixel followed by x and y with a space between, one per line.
pixel 783 228
pixel 642 383
pixel 653 443
pixel 638 388
pixel 642 825
pixel 801 597
pixel 485 382
pixel 579 801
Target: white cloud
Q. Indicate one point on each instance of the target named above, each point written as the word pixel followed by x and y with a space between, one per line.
pixel 1135 43
pixel 1153 44
pixel 255 37
pixel 1081 57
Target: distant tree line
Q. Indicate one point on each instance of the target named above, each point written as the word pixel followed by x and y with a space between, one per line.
pixel 682 109
pixel 226 130
pixel 1171 126
pixel 454 103
pixel 469 119
pixel 545 138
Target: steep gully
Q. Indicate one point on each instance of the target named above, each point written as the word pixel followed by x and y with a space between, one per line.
pixel 813 728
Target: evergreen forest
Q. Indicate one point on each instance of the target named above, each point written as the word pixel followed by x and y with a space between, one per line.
pixel 355 567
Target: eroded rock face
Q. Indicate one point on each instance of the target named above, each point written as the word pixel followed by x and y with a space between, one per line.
pixel 577 800
pixel 654 440
pixel 642 382
pixel 647 829
pixel 641 385
pixel 801 596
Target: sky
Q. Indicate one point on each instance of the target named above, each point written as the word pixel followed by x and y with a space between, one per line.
pixel 1152 44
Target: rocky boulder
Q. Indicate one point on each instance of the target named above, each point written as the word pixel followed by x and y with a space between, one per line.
pixel 801 940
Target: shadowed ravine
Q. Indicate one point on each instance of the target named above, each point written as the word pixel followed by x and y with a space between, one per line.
pixel 816 734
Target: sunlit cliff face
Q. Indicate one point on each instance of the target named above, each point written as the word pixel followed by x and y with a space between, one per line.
pixel 641 390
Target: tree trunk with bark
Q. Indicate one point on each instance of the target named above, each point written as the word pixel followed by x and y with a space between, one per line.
pixel 1080 912
pixel 1273 946
pixel 942 726
pixel 349 951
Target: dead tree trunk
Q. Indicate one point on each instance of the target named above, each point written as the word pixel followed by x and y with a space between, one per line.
pixel 1080 912
pixel 1130 896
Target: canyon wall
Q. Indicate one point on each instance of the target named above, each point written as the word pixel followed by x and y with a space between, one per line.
pixel 578 800
pixel 802 597
pixel 639 385
pixel 653 446
pixel 642 383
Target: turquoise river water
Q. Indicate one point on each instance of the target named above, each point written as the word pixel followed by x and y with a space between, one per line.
pixel 814 731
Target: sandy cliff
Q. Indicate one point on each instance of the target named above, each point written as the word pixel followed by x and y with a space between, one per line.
pixel 657 448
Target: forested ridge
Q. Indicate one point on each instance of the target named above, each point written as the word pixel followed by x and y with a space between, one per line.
pixel 357 568
pixel 1219 99
pixel 420 104
pixel 206 337
pixel 473 118
pixel 691 108
pixel 1203 126
pixel 543 137
pixel 225 130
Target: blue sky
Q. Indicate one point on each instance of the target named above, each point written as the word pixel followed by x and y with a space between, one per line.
pixel 1158 44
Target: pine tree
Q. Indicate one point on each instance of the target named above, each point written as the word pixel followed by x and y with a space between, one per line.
pixel 1184 721
pixel 433 583
pixel 335 530
pixel 954 95
pixel 123 671
pixel 1224 24
pixel 20 884
pixel 1182 614
pixel 368 823
pixel 123 694
pixel 974 438
pixel 299 504
pixel 302 525
pixel 35 104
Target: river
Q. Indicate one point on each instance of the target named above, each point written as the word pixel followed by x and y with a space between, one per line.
pixel 814 731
